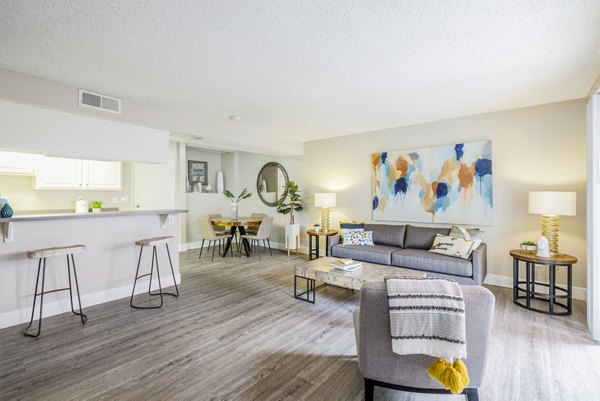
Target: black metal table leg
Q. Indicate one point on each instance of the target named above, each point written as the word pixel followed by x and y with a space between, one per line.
pixel 311 289
pixel 527 284
pixel 317 246
pixel 552 288
pixel 228 243
pixel 532 280
pixel 326 245
pixel 310 247
pixel 515 279
pixel 569 290
pixel 245 241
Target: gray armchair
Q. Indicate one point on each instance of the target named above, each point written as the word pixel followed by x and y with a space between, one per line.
pixel 379 366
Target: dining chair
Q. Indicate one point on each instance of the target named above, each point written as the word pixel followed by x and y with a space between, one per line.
pixel 253 230
pixel 220 230
pixel 264 231
pixel 214 239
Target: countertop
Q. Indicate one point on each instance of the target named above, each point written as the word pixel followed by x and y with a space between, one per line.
pixel 34 216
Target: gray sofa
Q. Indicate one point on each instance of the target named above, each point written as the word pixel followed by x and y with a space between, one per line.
pixel 381 367
pixel 407 246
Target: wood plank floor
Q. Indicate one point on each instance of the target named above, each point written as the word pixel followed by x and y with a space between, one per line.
pixel 236 333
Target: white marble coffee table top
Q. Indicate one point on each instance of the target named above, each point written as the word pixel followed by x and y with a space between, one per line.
pixel 320 270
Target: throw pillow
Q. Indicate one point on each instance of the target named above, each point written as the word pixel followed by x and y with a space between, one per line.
pixel 345 227
pixel 359 238
pixel 453 246
pixel 474 233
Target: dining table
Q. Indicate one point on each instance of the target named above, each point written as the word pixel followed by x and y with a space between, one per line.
pixel 236 224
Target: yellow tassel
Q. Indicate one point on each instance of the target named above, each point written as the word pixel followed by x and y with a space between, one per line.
pixel 453 377
pixel 461 368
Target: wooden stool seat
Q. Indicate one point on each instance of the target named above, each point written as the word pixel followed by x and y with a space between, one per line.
pixel 154 241
pixel 55 251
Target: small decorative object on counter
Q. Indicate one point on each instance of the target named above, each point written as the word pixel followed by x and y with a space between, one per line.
pixel 6 211
pixel 209 188
pixel 543 247
pixel 96 207
pixel 529 246
pixel 81 205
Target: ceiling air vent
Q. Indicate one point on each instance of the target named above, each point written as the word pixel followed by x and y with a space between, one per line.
pixel 97 101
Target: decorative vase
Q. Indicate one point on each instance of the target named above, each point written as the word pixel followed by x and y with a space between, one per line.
pixel 234 210
pixel 209 188
pixel 220 186
pixel 6 211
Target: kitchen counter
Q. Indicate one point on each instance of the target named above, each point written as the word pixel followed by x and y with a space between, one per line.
pixel 47 215
pixel 106 269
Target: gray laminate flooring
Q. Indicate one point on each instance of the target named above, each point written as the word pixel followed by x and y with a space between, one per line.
pixel 236 333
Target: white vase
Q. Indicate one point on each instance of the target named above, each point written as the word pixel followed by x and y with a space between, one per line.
pixel 220 186
pixel 234 210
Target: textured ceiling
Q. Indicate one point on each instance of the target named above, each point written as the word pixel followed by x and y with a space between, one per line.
pixel 311 69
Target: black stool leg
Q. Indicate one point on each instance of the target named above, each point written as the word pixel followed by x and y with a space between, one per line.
pixel 172 273
pixel 80 313
pixel 150 284
pixel 270 251
pixel 35 294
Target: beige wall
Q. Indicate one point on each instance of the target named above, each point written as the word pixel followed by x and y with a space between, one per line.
pixel 536 148
pixel 19 192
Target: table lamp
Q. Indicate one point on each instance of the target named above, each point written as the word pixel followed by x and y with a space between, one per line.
pixel 551 205
pixel 325 201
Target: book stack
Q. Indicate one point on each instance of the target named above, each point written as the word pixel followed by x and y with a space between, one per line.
pixel 348 265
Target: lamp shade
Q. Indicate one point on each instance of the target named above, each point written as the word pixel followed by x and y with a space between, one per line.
pixel 552 203
pixel 325 199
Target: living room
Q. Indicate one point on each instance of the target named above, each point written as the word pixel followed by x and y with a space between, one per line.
pixel 319 89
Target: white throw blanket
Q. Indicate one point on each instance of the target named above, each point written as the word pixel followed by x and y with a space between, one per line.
pixel 427 316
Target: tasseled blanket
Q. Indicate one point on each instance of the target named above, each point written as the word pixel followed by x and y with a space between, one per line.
pixel 427 316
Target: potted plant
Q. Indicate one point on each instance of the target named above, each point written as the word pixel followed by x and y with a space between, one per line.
pixel 528 246
pixel 317 226
pixel 288 204
pixel 234 201
pixel 96 206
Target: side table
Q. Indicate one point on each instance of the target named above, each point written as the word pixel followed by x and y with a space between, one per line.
pixel 313 252
pixel 529 288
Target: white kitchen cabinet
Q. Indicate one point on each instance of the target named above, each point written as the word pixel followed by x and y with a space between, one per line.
pixel 17 163
pixel 101 175
pixel 59 173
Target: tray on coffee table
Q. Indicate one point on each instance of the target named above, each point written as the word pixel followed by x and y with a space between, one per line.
pixel 320 270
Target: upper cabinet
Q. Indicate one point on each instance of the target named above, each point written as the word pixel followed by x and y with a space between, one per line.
pixel 59 173
pixel 17 163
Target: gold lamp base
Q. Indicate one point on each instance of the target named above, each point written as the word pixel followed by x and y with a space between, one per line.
pixel 325 219
pixel 550 231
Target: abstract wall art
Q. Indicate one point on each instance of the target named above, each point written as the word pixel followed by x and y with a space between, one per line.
pixel 449 184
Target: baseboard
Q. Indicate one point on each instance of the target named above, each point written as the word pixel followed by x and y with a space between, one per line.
pixel 507 281
pixel 63 305
pixel 274 245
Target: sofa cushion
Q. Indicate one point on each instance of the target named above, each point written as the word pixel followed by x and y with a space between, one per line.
pixel 432 262
pixel 387 234
pixel 422 237
pixel 381 254
pixel 454 246
pixel 364 238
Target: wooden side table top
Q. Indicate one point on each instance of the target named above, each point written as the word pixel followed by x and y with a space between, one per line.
pixel 558 260
pixel 328 233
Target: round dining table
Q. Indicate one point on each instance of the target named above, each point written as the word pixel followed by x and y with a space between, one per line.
pixel 236 224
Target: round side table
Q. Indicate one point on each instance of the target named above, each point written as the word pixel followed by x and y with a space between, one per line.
pixel 313 253
pixel 528 286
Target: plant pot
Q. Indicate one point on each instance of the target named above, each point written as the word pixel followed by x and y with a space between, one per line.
pixel 96 209
pixel 292 231
pixel 529 248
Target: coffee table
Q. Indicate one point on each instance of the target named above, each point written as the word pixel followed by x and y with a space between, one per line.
pixel 320 270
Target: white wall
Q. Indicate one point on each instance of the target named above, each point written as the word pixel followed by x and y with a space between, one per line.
pixel 593 208
pixel 536 148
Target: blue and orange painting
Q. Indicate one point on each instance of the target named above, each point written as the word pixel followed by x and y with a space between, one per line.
pixel 444 184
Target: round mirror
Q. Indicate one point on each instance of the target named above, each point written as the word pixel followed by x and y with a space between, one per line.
pixel 271 183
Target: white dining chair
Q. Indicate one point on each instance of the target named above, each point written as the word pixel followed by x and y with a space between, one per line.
pixel 208 234
pixel 263 234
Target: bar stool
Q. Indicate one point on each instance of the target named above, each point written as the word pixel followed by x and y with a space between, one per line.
pixel 153 242
pixel 42 254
